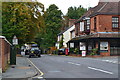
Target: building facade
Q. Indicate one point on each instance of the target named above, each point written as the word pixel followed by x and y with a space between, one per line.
pixel 98 29
pixel 65 36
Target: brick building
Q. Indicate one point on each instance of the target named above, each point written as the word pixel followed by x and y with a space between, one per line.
pixel 4 53
pixel 99 29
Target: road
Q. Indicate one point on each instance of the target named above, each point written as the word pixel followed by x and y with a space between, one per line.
pixel 76 67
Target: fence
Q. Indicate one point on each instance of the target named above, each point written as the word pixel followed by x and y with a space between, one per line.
pixel 4 53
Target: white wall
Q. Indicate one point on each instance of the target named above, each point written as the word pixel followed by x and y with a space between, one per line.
pixel 57 44
pixel 67 35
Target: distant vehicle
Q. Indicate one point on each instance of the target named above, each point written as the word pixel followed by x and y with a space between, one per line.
pixel 35 51
pixel 27 52
pixel 61 51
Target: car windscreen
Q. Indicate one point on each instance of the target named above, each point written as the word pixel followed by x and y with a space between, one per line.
pixel 36 48
pixel 62 49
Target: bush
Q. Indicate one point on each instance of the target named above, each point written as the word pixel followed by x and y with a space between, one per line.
pixel 76 50
pixel 94 51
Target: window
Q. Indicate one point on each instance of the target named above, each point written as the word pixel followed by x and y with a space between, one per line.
pixel 71 45
pixel 72 34
pixel 95 23
pixel 115 22
pixel 88 24
pixel 104 46
pixel 81 26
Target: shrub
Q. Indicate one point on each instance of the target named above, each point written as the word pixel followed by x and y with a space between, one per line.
pixel 94 51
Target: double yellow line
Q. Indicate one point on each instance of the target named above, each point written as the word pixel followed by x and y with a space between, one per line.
pixel 41 73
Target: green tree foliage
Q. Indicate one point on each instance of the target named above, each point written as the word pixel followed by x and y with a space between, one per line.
pixel 53 20
pixel 76 12
pixel 61 42
pixel 22 19
pixel 0 18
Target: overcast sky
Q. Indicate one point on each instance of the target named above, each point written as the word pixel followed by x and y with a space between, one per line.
pixel 65 4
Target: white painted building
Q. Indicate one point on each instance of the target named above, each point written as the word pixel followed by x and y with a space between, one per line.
pixel 68 34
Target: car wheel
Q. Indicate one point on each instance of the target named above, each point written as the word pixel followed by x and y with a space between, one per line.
pixel 39 55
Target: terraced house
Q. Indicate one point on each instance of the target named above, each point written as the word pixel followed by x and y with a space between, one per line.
pixel 99 29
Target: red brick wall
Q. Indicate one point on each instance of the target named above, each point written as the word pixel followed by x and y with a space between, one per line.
pixel 5 53
pixel 104 23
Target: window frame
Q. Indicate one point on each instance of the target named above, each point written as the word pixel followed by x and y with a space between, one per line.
pixel 115 22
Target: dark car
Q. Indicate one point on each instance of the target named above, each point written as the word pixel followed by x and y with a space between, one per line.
pixel 61 51
pixel 35 51
pixel 27 52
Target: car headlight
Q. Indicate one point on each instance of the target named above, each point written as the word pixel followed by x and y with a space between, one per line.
pixel 32 51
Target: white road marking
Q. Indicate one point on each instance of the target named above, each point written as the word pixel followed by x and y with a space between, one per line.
pixel 100 70
pixel 111 61
pixel 41 73
pixel 74 63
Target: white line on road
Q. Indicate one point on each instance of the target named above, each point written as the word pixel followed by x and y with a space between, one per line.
pixel 100 70
pixel 74 63
pixel 111 61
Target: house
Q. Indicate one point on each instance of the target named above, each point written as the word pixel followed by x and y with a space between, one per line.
pixel 65 36
pixel 4 53
pixel 99 29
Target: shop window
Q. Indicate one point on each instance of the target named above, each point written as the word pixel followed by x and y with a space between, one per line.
pixel 71 45
pixel 104 46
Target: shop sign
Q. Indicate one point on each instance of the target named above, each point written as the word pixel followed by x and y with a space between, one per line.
pixel 83 53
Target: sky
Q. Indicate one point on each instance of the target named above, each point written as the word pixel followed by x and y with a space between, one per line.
pixel 63 5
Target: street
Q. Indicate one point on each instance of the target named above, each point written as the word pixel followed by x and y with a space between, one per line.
pixel 76 67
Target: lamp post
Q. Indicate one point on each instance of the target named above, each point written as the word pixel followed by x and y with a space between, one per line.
pixel 15 40
pixel 13 51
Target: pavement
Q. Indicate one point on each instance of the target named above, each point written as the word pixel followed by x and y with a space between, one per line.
pixel 22 69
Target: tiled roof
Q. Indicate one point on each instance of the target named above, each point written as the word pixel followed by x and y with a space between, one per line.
pixel 64 30
pixel 107 8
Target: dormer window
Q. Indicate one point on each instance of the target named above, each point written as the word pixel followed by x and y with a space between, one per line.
pixel 88 24
pixel 81 26
pixel 115 22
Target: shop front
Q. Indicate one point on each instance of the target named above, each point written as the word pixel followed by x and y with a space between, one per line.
pixel 94 45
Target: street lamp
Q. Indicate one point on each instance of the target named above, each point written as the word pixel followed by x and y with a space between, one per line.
pixel 13 51
pixel 15 40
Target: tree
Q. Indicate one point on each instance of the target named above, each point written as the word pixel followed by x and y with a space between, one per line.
pixel 22 19
pixel 76 12
pixel 53 20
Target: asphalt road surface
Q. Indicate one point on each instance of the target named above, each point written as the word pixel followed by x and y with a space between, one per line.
pixel 77 67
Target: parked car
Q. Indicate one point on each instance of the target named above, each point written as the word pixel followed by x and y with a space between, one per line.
pixel 35 51
pixel 27 52
pixel 61 51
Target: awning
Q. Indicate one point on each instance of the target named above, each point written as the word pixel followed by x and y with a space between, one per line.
pixel 95 36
